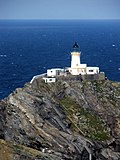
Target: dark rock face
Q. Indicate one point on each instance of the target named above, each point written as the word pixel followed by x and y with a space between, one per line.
pixel 2 119
pixel 61 121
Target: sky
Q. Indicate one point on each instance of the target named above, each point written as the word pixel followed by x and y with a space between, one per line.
pixel 59 9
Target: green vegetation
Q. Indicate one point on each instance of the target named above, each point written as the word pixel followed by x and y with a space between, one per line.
pixel 107 91
pixel 98 85
pixel 84 121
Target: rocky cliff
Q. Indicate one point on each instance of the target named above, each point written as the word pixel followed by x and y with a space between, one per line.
pixel 66 120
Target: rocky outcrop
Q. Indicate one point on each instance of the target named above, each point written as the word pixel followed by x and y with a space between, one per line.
pixel 63 120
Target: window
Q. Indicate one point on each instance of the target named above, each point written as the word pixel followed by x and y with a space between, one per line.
pixel 91 70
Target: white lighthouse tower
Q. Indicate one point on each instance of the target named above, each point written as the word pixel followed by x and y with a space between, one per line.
pixel 75 56
pixel 76 66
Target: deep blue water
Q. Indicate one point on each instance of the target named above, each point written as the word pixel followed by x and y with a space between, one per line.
pixel 28 48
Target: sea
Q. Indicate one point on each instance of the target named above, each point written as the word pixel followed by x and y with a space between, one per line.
pixel 30 47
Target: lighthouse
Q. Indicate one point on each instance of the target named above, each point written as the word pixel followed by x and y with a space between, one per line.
pixel 76 67
pixel 75 56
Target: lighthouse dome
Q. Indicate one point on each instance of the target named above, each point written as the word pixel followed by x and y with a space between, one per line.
pixel 76 47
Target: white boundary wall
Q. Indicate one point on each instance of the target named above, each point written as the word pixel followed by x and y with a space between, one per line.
pixel 37 76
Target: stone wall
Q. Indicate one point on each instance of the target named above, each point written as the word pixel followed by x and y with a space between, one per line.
pixel 100 76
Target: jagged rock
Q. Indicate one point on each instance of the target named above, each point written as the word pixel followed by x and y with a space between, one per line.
pixel 63 120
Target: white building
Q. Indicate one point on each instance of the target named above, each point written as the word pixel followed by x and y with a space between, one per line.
pixel 92 70
pixel 52 73
pixel 49 79
pixel 76 67
pixel 55 72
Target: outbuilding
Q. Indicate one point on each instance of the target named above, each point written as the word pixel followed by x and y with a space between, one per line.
pixel 49 79
pixel 54 72
pixel 92 70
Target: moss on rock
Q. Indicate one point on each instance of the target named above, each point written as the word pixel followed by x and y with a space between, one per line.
pixel 84 121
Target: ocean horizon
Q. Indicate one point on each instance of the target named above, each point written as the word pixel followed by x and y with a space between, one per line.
pixel 30 47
